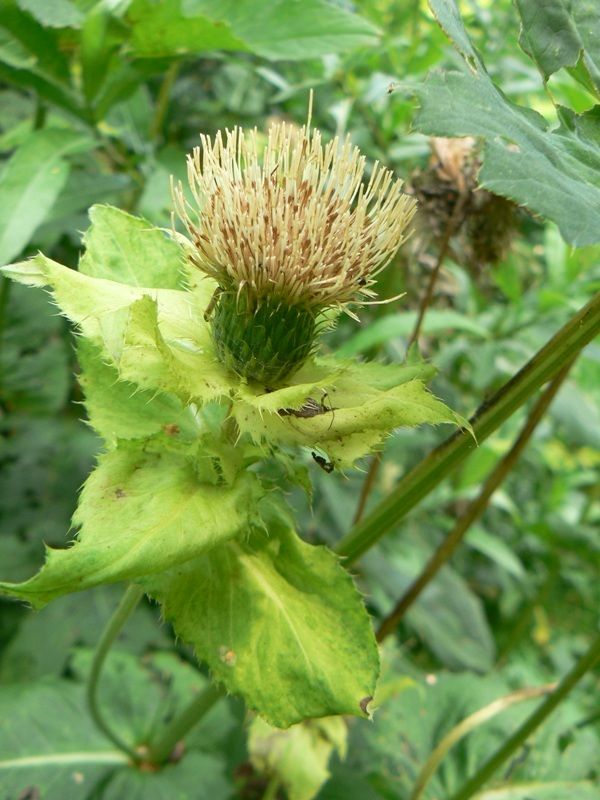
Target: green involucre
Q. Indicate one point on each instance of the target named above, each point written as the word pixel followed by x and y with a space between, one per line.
pixel 263 340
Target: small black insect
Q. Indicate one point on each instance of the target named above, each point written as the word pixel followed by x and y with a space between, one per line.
pixel 327 466
pixel 311 408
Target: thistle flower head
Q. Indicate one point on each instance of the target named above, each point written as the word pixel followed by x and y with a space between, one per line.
pixel 286 231
pixel 299 222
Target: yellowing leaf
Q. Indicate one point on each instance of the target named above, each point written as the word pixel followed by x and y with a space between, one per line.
pixel 347 413
pixel 298 756
pixel 124 248
pixel 140 513
pixel 278 621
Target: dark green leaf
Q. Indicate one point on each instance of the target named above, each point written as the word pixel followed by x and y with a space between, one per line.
pixel 35 356
pixel 44 641
pixel 557 34
pixel 30 182
pixel 555 173
pixel 49 743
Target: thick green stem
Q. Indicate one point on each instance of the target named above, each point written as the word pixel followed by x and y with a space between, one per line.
pixel 126 607
pixel 585 663
pixel 475 509
pixel 563 347
pixel 162 100
pixel 162 748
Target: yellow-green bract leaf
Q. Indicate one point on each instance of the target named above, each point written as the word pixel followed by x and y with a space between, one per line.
pixel 156 338
pixel 345 414
pixel 278 621
pixel 140 513
pixel 130 250
pixel 299 756
pixel 119 409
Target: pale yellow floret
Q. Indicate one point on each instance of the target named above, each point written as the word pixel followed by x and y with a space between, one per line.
pixel 294 219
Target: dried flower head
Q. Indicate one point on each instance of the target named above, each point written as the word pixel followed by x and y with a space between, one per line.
pixel 291 227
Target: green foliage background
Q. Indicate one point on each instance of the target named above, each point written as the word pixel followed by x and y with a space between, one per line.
pixel 99 103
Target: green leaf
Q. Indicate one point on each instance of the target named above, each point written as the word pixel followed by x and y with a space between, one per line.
pixel 120 410
pixel 30 183
pixel 351 408
pixel 157 339
pixel 48 741
pixel 50 746
pixel 96 49
pixel 288 29
pixel 34 357
pixel 130 250
pixel 299 756
pixel 43 643
pixel 198 776
pixel 448 616
pixel 409 727
pixel 277 621
pixel 13 53
pixel 497 550
pixel 559 34
pixel 555 173
pixel 160 29
pixel 140 513
pixel 40 479
pixel 51 63
pixel 53 13
pixel 393 325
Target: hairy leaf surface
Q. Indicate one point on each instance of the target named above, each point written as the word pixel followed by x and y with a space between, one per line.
pixel 278 621
pixel 124 248
pixel 347 412
pixel 139 513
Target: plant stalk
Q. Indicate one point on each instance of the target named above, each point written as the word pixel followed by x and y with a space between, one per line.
pixel 475 509
pixel 585 663
pixel 452 226
pixel 368 484
pixel 124 610
pixel 469 724
pixel 162 100
pixel 161 750
pixel 423 478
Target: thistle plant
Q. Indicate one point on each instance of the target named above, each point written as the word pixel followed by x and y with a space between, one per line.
pixel 286 237
pixel 199 364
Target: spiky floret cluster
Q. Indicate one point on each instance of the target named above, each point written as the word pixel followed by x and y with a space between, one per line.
pixel 297 222
pixel 291 228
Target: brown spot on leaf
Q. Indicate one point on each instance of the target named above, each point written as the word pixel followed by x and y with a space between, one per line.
pixel 364 704
pixel 227 656
pixel 171 429
pixel 120 493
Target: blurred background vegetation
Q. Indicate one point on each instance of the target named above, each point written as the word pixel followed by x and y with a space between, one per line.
pixel 99 103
